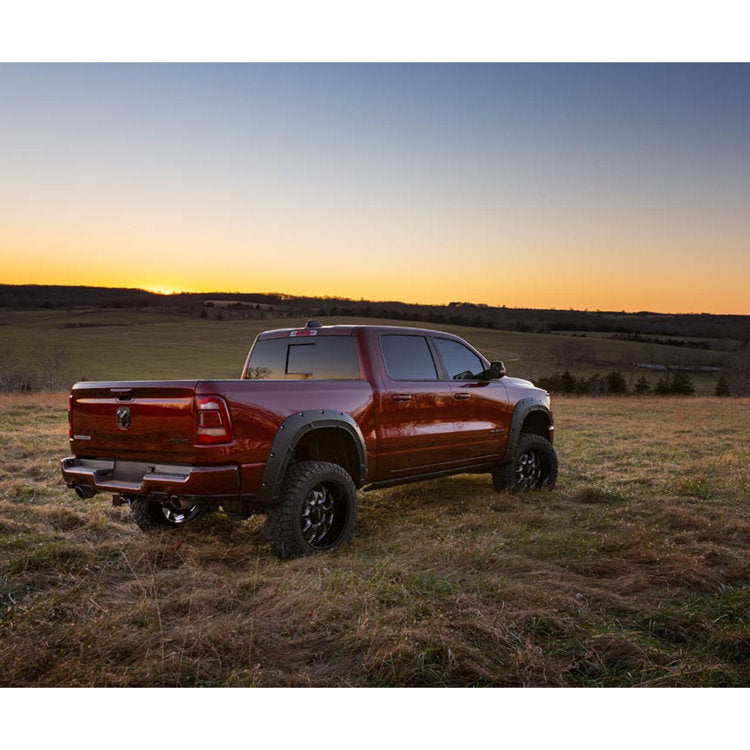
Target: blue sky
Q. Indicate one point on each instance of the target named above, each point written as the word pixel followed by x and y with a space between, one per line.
pixel 622 186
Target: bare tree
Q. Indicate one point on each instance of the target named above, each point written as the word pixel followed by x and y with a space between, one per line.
pixel 15 375
pixel 570 352
pixel 8 368
pixel 52 362
pixel 739 373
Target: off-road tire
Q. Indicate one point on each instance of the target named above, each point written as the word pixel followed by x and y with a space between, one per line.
pixel 316 511
pixel 149 515
pixel 532 466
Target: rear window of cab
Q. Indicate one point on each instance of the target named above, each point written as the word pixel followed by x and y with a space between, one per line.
pixel 308 358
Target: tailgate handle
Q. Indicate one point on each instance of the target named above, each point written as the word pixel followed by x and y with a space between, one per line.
pixel 123 394
pixel 461 396
pixel 401 397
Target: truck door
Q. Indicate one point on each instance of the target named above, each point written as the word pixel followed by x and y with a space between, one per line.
pixel 480 409
pixel 414 425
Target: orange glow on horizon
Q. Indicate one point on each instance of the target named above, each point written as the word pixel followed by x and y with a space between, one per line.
pixel 544 270
pixel 628 292
pixel 165 291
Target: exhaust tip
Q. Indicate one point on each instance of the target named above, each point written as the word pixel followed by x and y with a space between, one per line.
pixel 84 492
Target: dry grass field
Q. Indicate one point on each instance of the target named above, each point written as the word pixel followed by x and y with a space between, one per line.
pixel 635 570
pixel 142 345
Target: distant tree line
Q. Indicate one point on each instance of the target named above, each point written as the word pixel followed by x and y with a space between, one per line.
pixel 704 326
pixel 662 342
pixel 736 382
pixel 614 384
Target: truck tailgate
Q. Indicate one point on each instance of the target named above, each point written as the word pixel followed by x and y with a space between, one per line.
pixel 138 420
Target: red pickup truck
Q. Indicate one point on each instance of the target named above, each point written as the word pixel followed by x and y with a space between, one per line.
pixel 318 412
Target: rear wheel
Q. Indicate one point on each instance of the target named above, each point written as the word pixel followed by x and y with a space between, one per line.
pixel 149 514
pixel 317 510
pixel 532 466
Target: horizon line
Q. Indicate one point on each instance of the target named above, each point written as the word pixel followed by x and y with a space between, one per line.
pixel 287 296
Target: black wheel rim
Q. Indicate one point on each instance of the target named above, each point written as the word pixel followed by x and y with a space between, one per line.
pixel 529 470
pixel 178 517
pixel 323 515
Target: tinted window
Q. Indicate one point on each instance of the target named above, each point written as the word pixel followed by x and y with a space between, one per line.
pixel 407 357
pixel 324 358
pixel 461 362
pixel 268 360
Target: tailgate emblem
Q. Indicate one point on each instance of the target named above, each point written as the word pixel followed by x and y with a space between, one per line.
pixel 123 417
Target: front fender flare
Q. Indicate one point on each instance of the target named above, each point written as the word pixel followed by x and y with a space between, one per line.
pixel 522 410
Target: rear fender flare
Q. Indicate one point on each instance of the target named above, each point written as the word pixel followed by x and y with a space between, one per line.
pixel 290 432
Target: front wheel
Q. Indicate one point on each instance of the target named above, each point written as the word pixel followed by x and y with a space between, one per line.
pixel 532 466
pixel 317 510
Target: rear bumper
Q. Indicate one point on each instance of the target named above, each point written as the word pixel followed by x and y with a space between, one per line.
pixel 89 476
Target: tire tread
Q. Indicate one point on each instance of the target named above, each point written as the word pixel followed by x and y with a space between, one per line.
pixel 147 514
pixel 282 519
pixel 503 478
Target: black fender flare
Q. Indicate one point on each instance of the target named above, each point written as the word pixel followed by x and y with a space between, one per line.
pixel 290 431
pixel 522 410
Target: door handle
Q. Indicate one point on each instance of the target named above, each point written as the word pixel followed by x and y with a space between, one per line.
pixel 401 397
pixel 461 396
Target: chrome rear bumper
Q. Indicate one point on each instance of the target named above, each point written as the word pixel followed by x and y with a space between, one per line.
pixel 89 476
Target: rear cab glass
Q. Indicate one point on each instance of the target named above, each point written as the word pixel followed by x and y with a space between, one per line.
pixel 308 358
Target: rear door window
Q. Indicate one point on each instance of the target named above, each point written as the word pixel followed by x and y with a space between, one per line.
pixel 323 358
pixel 407 357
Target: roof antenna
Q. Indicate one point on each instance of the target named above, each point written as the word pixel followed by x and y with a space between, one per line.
pixel 313 324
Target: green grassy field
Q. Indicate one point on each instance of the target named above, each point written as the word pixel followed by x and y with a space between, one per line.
pixel 135 345
pixel 635 570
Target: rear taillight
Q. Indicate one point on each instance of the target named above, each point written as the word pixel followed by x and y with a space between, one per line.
pixel 70 416
pixel 212 423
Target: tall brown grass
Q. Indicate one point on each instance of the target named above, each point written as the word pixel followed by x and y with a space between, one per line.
pixel 634 571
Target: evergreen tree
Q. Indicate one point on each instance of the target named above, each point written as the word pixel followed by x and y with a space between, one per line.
pixel 663 386
pixel 550 383
pixel 722 386
pixel 642 386
pixel 567 382
pixel 583 386
pixel 682 384
pixel 616 382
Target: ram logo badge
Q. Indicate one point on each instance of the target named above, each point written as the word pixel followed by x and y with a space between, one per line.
pixel 123 417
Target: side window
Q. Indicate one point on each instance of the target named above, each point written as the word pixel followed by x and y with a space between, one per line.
pixel 461 362
pixel 407 357
pixel 323 358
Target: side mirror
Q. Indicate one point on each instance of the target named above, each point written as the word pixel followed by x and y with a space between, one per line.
pixel 496 371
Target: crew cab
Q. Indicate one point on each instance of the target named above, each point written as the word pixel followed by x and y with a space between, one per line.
pixel 318 413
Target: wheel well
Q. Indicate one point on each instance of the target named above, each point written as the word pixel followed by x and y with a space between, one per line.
pixel 537 423
pixel 330 444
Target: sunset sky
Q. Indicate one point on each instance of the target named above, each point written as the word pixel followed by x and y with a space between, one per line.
pixel 618 187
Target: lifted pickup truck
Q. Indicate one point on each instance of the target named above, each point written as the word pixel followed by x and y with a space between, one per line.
pixel 318 412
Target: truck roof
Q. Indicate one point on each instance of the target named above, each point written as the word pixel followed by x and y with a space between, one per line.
pixel 346 330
